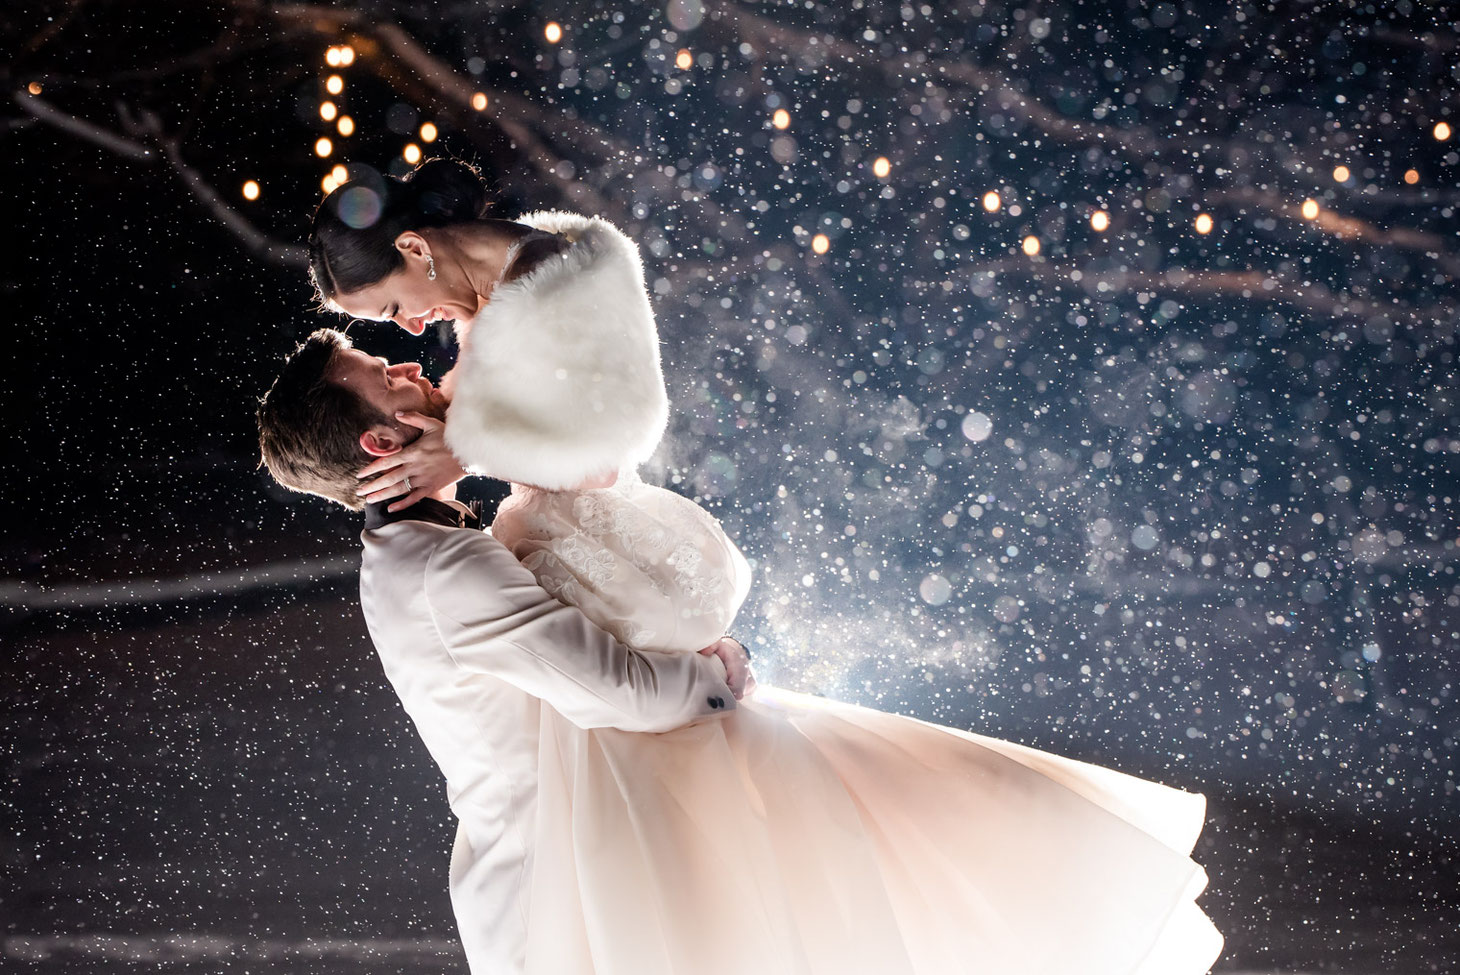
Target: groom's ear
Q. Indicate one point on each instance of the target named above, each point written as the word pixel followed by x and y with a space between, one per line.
pixel 380 442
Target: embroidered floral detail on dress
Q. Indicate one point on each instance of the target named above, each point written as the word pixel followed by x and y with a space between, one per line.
pixel 587 560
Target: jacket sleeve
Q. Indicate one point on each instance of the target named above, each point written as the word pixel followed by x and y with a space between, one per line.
pixel 495 619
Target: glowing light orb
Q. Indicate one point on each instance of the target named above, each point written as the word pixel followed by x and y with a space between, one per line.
pixel 1100 221
pixel 1411 176
pixel 411 153
pixel 334 84
pixel 881 167
pixel 1341 174
pixel 479 102
pixel 340 175
pixel 328 111
pixel 992 202
pixel 323 147
pixel 328 184
pixel 820 244
pixel 251 190
pixel 346 125
pixel 359 207
pixel 553 32
pixel 34 88
pixel 1031 245
pixel 332 57
pixel 1204 223
pixel 429 132
pixel 1310 209
pixel 781 119
pixel 347 56
pixel 1442 131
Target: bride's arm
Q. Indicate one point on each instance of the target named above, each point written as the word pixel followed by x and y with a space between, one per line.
pixel 423 468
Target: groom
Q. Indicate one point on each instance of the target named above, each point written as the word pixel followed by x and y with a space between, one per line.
pixel 474 647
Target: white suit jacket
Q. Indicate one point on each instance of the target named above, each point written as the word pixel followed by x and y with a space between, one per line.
pixel 475 648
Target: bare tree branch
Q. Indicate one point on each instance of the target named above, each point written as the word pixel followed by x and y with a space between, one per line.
pixel 53 116
pixel 1346 227
pixel 259 243
pixel 147 124
pixel 1260 286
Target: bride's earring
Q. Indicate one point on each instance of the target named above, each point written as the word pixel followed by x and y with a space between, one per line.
pixel 431 268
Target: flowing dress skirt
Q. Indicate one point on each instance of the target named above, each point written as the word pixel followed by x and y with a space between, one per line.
pixel 800 835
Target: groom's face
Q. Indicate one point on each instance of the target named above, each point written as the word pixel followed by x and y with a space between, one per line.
pixel 391 389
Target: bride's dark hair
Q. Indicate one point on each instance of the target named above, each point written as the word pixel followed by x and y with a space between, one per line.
pixel 352 239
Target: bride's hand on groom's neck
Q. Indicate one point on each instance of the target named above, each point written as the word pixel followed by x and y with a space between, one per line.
pixel 423 468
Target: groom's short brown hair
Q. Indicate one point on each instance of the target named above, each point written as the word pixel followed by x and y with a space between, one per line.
pixel 309 427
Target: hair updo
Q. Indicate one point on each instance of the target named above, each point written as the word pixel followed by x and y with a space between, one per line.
pixel 352 239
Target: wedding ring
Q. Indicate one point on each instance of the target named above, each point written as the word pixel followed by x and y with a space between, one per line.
pixel 408 482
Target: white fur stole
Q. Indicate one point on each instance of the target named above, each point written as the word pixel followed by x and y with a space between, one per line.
pixel 558 379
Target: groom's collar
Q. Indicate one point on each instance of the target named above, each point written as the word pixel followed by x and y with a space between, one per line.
pixel 427 510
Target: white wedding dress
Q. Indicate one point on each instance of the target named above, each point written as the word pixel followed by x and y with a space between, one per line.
pixel 799 835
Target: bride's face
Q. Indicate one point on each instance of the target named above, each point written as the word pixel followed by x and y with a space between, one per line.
pixel 407 297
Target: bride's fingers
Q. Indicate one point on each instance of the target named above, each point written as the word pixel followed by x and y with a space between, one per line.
pixel 427 423
pixel 379 465
pixel 409 499
pixel 395 477
pixel 384 494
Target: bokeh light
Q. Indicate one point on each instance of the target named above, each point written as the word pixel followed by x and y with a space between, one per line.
pixel 820 244
pixel 346 125
pixel 323 147
pixel 329 184
pixel 1411 176
pixel 992 201
pixel 1341 174
pixel 553 32
pixel 332 57
pixel 334 84
pixel 328 111
pixel 881 167
pixel 684 60
pixel 34 88
pixel 411 153
pixel 1442 131
pixel 251 190
pixel 1100 221
pixel 781 119
pixel 479 102
pixel 1310 209
pixel 428 132
pixel 1203 223
pixel 1031 245
pixel 340 174
pixel 347 56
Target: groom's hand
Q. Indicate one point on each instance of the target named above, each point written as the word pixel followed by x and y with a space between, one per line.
pixel 421 469
pixel 737 665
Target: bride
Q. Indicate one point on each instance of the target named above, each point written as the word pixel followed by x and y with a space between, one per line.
pixel 798 835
